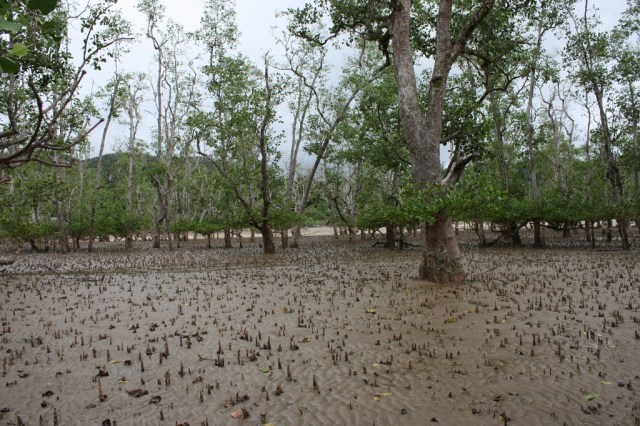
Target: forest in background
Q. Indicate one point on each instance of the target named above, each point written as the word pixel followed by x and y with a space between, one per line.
pixel 539 136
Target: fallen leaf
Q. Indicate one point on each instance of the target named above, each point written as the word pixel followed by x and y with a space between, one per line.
pixel 590 396
pixel 123 382
pixel 114 361
pixel 378 396
pixel 138 392
pixel 240 413
pixel 606 383
pixel 264 369
pixel 451 320
pixel 371 311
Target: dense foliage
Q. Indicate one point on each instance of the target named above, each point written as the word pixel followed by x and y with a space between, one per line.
pixel 552 138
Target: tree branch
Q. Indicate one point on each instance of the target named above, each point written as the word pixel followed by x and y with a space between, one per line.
pixel 469 26
pixel 456 167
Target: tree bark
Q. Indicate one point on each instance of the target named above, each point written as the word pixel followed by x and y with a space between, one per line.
pixel 390 242
pixel 514 232
pixel 227 239
pixel 587 229
pixel 481 233
pixel 441 258
pixel 267 239
pixel 295 236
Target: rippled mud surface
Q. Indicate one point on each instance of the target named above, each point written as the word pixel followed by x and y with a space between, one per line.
pixel 335 332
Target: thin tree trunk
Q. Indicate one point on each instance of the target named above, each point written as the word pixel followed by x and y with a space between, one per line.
pixel 636 158
pixel 514 232
pixel 160 213
pixel 327 138
pixel 265 225
pixel 613 171
pixel 295 236
pixel 533 175
pixel 132 111
pixel 303 105
pixel 481 233
pixel 62 219
pixel 96 187
pixel 587 229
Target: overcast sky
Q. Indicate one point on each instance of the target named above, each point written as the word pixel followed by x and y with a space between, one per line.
pixel 256 21
pixel 255 18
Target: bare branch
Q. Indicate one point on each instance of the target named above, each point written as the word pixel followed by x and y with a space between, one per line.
pixel 456 167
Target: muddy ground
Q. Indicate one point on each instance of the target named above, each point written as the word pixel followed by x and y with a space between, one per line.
pixel 336 332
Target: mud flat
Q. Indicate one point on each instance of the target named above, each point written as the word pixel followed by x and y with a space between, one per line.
pixel 334 333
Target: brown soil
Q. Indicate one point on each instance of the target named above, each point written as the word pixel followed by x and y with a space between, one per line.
pixel 336 332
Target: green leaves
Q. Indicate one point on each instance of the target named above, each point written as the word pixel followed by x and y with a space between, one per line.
pixel 19 50
pixel 9 26
pixel 13 21
pixel 43 6
pixel 9 62
pixel 9 65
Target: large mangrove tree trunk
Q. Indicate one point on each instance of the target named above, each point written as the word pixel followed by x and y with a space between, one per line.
pixel 423 129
